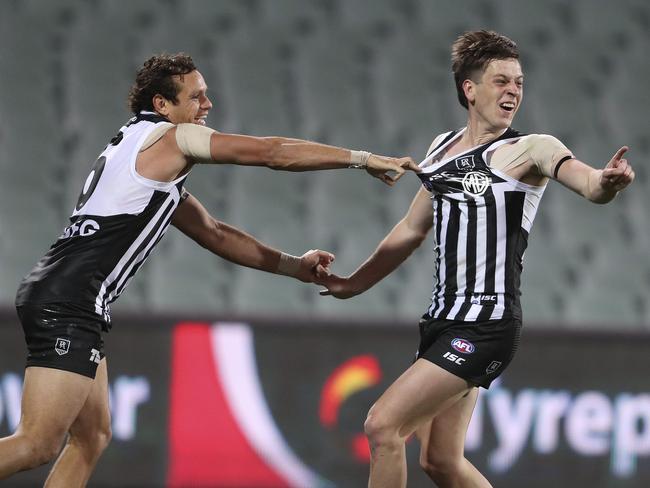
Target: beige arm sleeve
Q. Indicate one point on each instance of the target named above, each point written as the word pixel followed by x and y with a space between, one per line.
pixel 194 141
pixel 546 151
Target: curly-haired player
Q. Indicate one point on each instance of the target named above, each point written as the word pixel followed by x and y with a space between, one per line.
pixel 134 191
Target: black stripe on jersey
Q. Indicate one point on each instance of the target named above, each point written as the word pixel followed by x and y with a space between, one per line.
pixel 179 186
pixel 470 258
pixel 147 241
pixel 451 257
pixel 445 140
pixel 490 254
pixel 148 117
pixel 517 240
pixel 437 215
pixel 144 258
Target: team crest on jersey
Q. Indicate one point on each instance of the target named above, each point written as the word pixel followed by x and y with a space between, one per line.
pixel 461 345
pixel 476 183
pixel 62 346
pixel 465 163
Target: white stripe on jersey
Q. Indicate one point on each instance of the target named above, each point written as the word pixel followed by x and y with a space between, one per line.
pixel 122 269
pixel 442 278
pixel 461 263
pixel 481 255
pixel 499 270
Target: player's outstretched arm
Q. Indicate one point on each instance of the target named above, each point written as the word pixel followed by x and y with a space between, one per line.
pixel 236 246
pixel 183 145
pixel 597 185
pixel 298 155
pixel 398 245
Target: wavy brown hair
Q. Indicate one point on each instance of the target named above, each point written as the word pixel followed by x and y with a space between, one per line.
pixel 156 78
pixel 473 51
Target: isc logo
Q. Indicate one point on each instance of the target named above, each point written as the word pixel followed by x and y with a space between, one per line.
pixel 82 228
pixel 453 358
pixel 461 345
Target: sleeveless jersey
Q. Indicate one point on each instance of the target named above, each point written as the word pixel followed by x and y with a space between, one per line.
pixel 481 221
pixel 118 220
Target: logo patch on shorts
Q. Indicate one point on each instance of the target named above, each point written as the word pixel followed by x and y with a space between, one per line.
pixel 94 356
pixel 461 345
pixel 494 365
pixel 62 346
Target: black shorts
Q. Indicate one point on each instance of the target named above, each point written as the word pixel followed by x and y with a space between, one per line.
pixel 475 351
pixel 62 336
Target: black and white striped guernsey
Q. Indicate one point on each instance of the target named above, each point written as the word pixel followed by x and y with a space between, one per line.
pixel 118 220
pixel 481 221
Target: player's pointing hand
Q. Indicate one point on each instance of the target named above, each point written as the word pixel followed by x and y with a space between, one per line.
pixel 618 173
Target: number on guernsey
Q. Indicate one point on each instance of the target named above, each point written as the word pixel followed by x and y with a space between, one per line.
pixel 91 182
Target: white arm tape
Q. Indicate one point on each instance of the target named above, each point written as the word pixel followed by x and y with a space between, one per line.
pixel 359 159
pixel 194 141
pixel 288 265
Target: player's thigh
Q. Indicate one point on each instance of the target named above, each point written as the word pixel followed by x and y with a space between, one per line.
pixel 94 418
pixel 444 435
pixel 52 400
pixel 419 393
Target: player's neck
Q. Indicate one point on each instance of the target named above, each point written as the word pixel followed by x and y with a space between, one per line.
pixel 478 132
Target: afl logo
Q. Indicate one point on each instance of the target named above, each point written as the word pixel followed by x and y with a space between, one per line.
pixel 461 345
pixel 475 183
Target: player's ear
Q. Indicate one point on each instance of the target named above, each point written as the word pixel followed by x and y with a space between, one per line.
pixel 160 104
pixel 469 89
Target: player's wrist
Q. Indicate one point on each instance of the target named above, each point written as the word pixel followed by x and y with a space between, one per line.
pixel 288 265
pixel 359 159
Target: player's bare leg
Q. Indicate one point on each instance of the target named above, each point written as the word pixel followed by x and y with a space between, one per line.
pixel 421 392
pixel 442 445
pixel 90 433
pixel 51 401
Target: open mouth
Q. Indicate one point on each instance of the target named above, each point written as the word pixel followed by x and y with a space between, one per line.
pixel 507 106
pixel 200 120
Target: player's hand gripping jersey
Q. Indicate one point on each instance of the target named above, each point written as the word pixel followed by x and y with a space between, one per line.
pixel 481 220
pixel 118 220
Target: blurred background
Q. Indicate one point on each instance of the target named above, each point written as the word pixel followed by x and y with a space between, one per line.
pixel 372 75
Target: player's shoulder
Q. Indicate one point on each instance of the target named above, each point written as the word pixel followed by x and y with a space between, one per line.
pixel 541 141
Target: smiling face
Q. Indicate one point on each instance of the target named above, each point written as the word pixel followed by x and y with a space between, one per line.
pixel 495 97
pixel 192 104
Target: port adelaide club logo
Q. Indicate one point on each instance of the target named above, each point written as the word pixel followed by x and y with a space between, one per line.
pixel 465 163
pixel 463 346
pixel 62 346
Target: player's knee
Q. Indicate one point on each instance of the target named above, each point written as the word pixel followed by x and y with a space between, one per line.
pixel 103 437
pixel 441 466
pixel 94 440
pixel 39 451
pixel 380 431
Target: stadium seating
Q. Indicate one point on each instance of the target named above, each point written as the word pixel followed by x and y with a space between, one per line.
pixel 367 74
